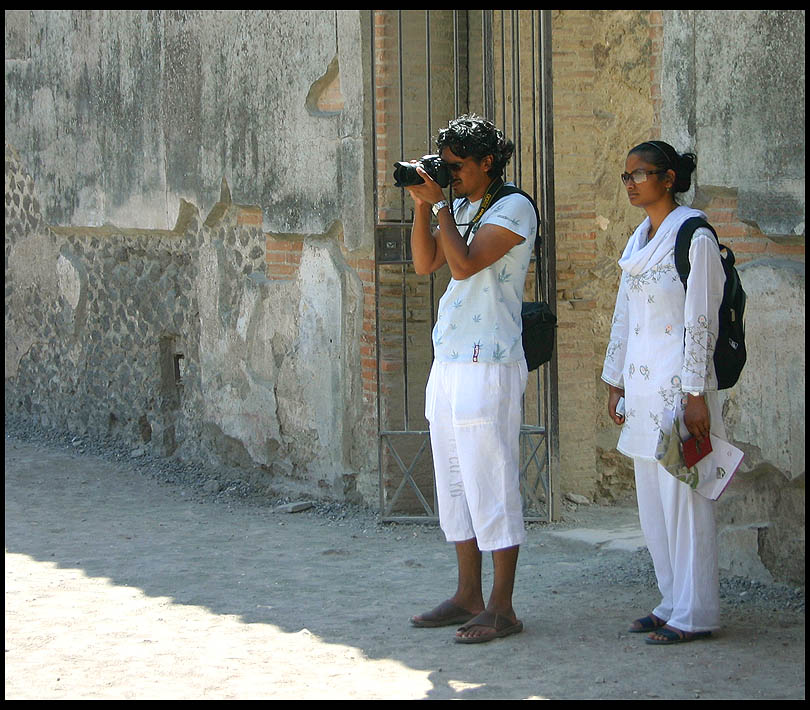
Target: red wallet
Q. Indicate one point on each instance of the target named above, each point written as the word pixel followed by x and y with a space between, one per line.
pixel 694 450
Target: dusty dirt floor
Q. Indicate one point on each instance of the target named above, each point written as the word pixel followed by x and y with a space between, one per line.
pixel 121 585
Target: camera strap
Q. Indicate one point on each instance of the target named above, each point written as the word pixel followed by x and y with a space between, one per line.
pixel 492 195
pixel 486 203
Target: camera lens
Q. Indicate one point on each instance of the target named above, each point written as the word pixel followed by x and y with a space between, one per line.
pixel 405 174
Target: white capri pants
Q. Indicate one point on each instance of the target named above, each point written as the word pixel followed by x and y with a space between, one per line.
pixel 679 529
pixel 474 410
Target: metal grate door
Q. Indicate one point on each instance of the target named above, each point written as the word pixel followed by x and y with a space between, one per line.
pixel 428 67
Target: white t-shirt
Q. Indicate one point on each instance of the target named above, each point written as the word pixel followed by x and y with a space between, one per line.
pixel 479 317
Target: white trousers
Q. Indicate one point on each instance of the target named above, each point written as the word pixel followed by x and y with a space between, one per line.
pixel 679 528
pixel 474 410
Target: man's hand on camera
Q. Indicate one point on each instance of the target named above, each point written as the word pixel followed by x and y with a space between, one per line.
pixel 428 192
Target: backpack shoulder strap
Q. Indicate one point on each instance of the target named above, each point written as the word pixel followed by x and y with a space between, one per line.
pixel 682 243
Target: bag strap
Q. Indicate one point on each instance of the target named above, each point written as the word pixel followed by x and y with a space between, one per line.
pixel 496 191
pixel 682 243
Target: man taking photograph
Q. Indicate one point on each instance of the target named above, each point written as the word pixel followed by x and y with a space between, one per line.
pixel 479 373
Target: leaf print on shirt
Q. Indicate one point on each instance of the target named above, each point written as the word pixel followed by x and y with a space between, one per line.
pixel 477 318
pixel 639 281
pixel 458 303
pixel 677 392
pixel 612 348
pixel 498 354
pixel 504 276
pixel 505 218
pixel 668 397
pixel 699 350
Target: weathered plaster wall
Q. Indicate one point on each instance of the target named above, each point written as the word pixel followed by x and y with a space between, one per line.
pixel 176 342
pixel 733 92
pixel 120 114
pixel 131 316
pixel 734 89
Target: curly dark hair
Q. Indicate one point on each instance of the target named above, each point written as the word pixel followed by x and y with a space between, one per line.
pixel 471 135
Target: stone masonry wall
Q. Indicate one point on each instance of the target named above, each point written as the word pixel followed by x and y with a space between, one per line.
pixel 170 342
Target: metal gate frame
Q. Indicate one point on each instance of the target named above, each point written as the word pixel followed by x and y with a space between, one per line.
pixel 532 436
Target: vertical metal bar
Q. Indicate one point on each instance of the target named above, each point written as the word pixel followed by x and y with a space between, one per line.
pixel 428 81
pixel 456 72
pixel 403 248
pixel 549 256
pixel 516 123
pixel 503 76
pixel 539 264
pixel 488 70
pixel 535 121
pixel 373 50
pixel 534 20
pixel 401 107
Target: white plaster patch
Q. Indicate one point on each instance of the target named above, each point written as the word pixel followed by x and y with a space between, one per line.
pixel 68 281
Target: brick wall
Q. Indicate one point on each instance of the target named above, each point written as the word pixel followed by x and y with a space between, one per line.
pixel 574 141
pixel 746 240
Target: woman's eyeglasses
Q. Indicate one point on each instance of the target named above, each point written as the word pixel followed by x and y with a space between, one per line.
pixel 639 176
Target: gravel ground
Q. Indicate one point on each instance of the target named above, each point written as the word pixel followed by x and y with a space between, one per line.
pixel 225 488
pixel 128 577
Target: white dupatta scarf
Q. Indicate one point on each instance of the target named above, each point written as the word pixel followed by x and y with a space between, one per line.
pixel 640 255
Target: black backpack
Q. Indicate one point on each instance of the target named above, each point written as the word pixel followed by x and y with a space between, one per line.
pixel 729 351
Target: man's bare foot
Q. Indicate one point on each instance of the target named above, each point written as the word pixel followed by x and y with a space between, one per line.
pixel 488 626
pixel 448 613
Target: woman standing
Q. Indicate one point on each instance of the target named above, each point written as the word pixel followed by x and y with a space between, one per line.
pixel 660 360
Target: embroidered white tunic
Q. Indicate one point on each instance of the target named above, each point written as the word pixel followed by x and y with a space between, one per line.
pixel 479 317
pixel 662 339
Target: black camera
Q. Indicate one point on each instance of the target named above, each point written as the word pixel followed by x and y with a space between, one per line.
pixel 405 173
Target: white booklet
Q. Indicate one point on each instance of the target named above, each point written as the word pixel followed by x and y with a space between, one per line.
pixel 711 474
pixel 716 470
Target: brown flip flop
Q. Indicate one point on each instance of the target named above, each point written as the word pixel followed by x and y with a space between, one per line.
pixel 446 614
pixel 499 626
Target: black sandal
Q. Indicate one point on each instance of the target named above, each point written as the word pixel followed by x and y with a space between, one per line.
pixel 671 636
pixel 646 624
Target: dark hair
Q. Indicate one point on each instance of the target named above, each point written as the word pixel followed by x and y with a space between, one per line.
pixel 664 157
pixel 471 135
